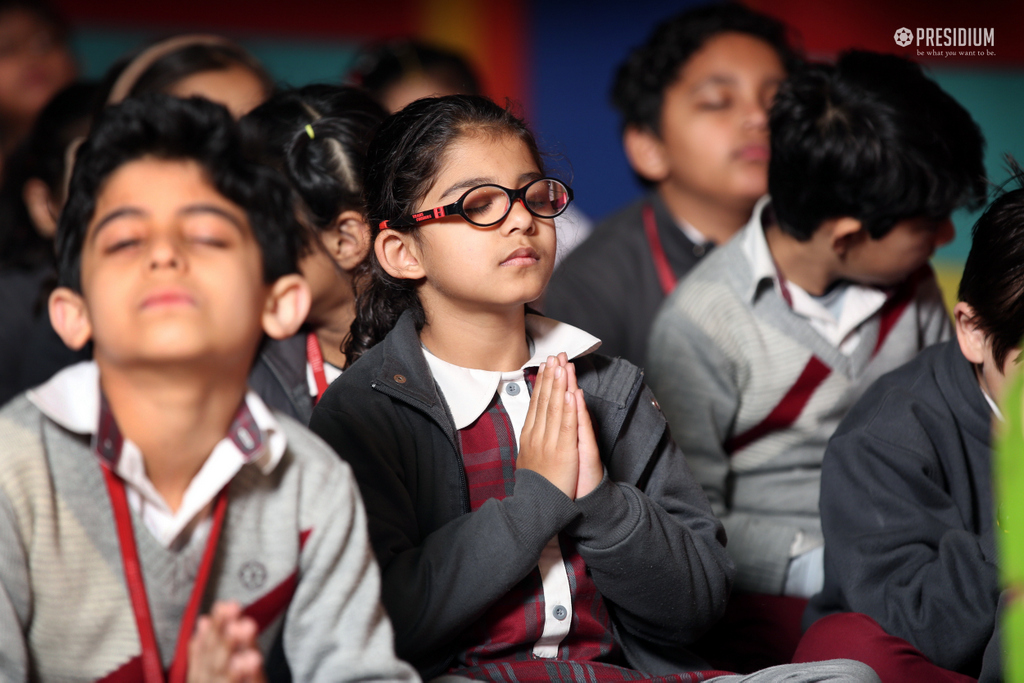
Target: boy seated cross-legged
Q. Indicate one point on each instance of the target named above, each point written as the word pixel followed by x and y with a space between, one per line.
pixel 912 570
pixel 147 487
pixel 770 340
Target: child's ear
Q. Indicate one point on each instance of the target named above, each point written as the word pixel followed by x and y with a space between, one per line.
pixel 348 240
pixel 399 255
pixel 845 233
pixel 971 337
pixel 287 306
pixel 39 202
pixel 70 318
pixel 646 153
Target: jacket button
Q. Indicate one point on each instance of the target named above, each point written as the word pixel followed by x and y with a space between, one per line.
pixel 400 379
pixel 559 612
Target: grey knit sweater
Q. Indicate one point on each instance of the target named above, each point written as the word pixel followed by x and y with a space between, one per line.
pixel 753 392
pixel 294 544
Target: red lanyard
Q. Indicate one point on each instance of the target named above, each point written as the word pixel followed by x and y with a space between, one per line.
pixel 316 361
pixel 665 275
pixel 152 668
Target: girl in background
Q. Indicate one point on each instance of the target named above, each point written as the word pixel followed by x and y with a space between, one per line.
pixel 317 136
pixel 193 65
pixel 35 63
pixel 31 198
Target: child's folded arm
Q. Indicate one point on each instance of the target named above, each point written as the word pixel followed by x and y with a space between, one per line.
pixel 430 597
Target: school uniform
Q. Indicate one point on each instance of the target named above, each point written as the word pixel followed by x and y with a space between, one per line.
pixel 908 516
pixel 492 573
pixel 272 519
pixel 646 534
pixel 285 379
pixel 754 376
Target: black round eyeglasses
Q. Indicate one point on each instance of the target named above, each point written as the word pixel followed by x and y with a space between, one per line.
pixel 486 205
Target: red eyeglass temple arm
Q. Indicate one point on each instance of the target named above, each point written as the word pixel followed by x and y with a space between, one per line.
pixel 439 212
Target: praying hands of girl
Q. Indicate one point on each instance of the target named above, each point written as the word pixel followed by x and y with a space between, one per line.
pixel 558 440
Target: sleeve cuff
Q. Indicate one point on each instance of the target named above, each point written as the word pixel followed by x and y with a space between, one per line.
pixel 610 513
pixel 540 508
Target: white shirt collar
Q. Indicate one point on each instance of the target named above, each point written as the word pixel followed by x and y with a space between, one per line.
pixel 468 391
pixel 859 304
pixel 71 398
pixel 755 247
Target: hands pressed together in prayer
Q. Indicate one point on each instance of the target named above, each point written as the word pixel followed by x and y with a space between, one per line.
pixel 558 440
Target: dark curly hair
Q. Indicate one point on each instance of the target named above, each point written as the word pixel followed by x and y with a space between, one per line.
pixel 166 127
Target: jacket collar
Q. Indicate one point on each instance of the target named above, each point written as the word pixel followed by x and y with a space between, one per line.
pixel 404 368
pixel 404 374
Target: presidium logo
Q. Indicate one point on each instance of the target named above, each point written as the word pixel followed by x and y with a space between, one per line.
pixel 949 38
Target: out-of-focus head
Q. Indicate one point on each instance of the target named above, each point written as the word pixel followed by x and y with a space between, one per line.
pixel 318 136
pixel 32 192
pixel 168 128
pixel 171 246
pixel 990 314
pixel 193 66
pixel 35 61
pixel 871 138
pixel 694 102
pixel 638 91
pixel 401 72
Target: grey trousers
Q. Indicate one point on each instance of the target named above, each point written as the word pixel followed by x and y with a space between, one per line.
pixel 834 670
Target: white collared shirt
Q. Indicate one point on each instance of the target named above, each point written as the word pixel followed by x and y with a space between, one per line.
pixel 860 302
pixel 469 392
pixel 71 398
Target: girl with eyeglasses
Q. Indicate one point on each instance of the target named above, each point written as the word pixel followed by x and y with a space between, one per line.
pixel 531 515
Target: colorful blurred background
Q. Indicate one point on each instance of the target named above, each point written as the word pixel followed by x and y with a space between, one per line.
pixel 555 58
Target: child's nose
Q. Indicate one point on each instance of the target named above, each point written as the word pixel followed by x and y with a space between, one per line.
pixel 165 253
pixel 755 114
pixel 518 217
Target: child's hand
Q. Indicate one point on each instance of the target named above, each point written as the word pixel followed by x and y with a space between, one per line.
pixel 591 468
pixel 548 442
pixel 223 648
